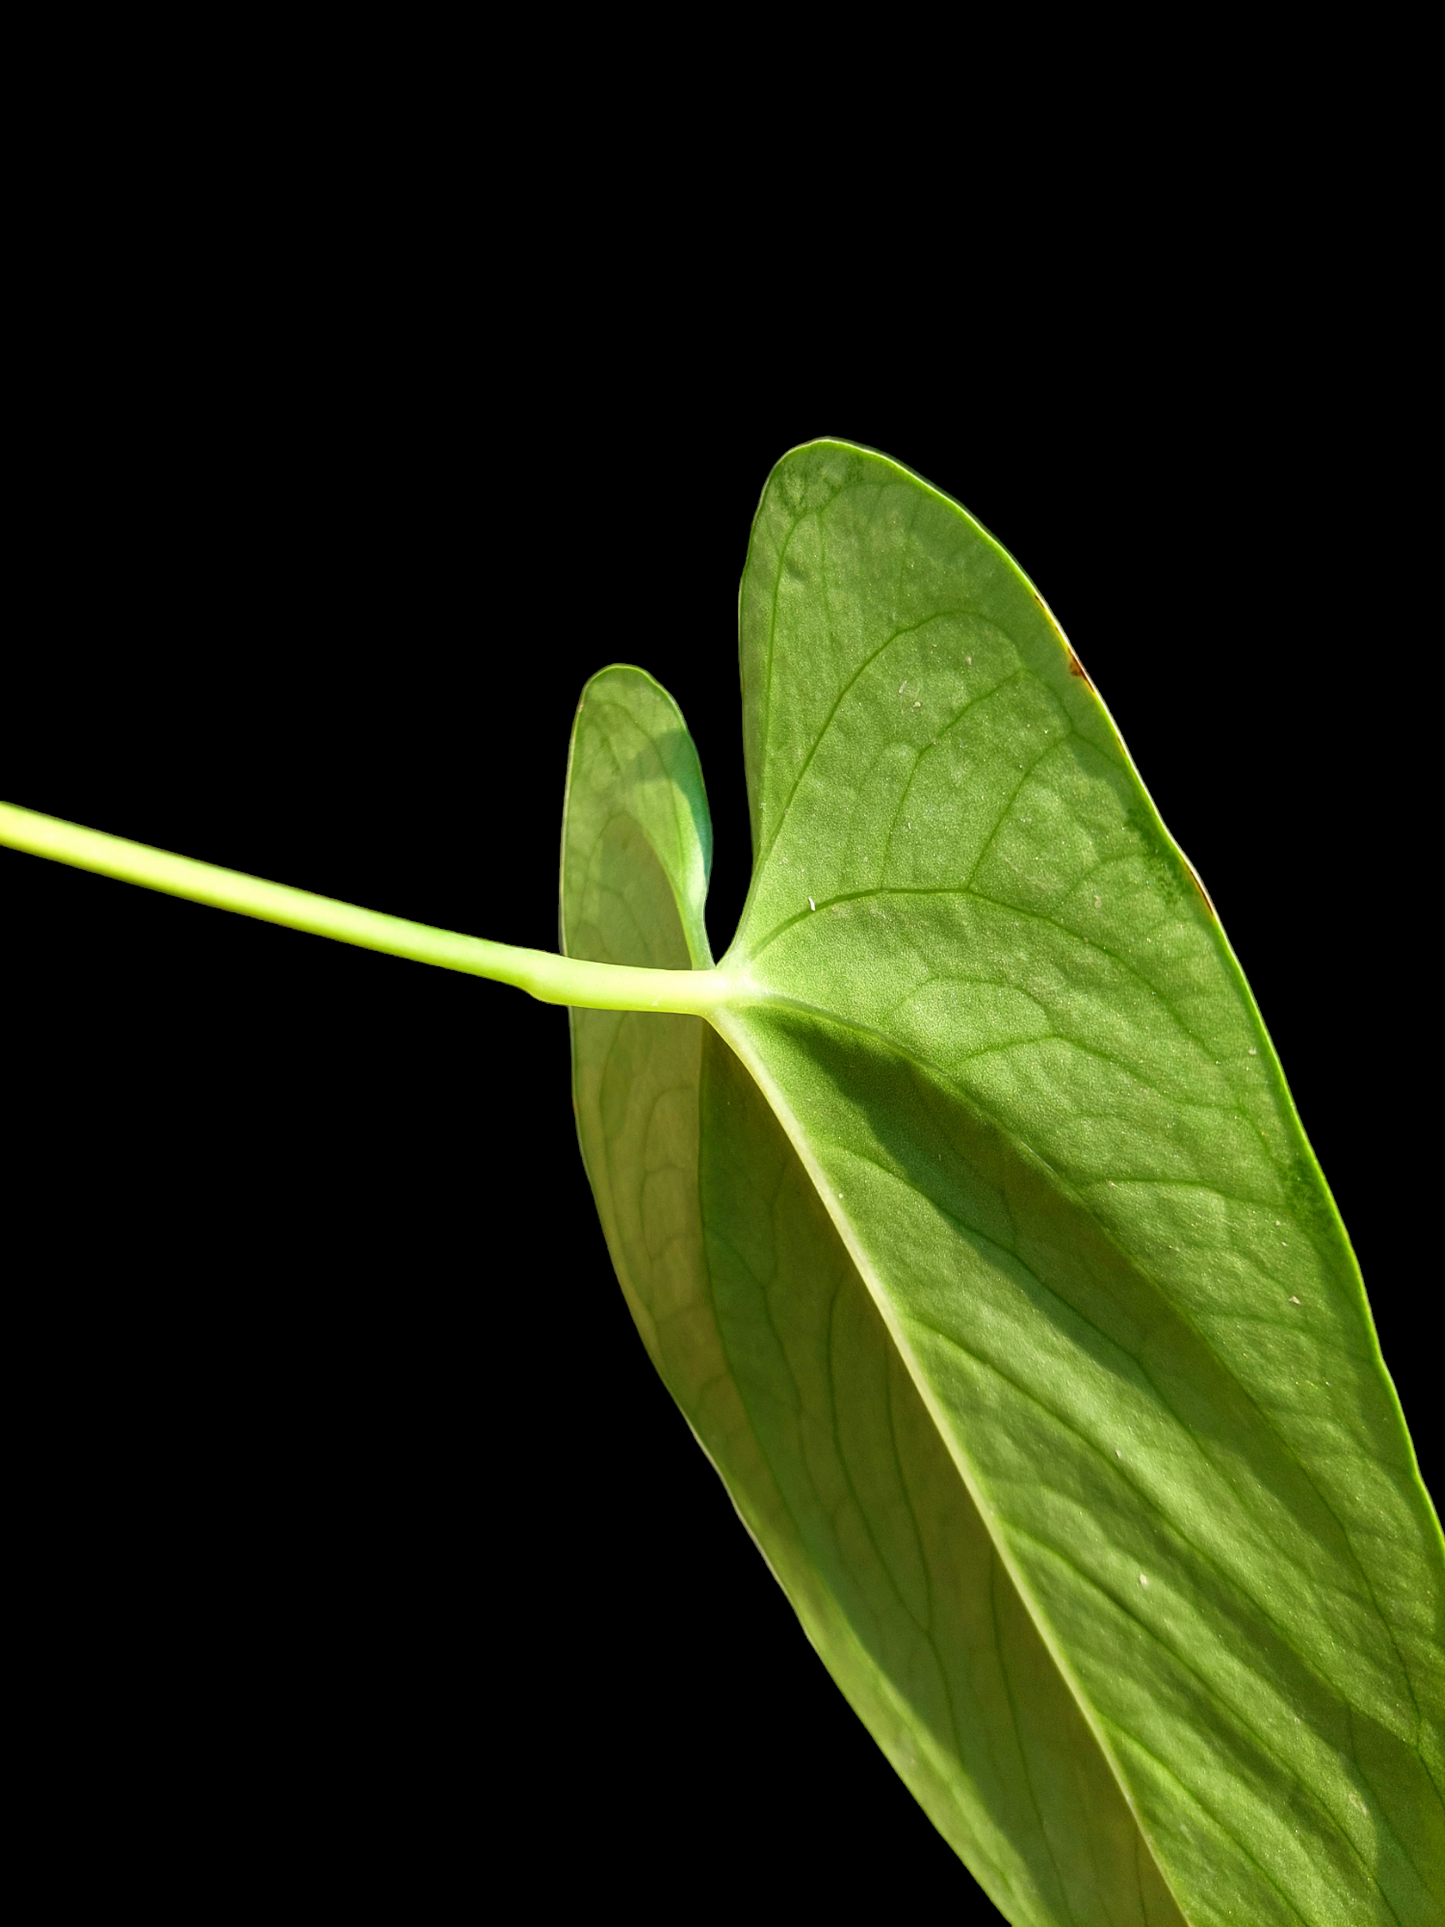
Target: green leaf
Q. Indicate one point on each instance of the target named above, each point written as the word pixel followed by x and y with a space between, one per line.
pixel 978 1240
pixel 964 1210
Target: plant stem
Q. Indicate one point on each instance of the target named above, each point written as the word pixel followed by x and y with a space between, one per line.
pixel 549 978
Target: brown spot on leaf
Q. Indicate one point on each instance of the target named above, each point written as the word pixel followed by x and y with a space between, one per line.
pixel 1204 894
pixel 1049 616
pixel 1076 668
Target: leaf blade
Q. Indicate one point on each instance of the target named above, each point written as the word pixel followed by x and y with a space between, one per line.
pixel 1038 952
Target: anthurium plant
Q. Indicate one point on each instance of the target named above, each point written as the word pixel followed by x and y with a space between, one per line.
pixel 963 1209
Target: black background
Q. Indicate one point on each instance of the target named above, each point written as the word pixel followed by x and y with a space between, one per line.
pixel 360 1534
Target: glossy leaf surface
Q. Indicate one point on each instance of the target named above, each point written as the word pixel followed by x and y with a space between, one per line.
pixel 980 1244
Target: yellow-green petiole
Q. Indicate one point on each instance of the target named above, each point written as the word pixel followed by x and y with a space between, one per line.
pixel 549 978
